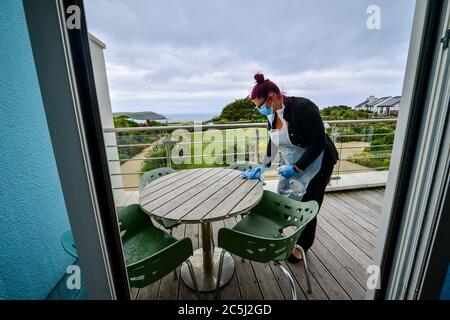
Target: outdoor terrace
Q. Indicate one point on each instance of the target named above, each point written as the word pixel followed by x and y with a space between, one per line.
pixel 347 229
pixel 347 222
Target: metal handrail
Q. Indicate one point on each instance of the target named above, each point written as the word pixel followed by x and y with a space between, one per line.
pixel 159 143
pixel 205 127
pixel 379 154
pixel 185 157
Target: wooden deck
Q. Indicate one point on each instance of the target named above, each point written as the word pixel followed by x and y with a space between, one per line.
pixel 344 246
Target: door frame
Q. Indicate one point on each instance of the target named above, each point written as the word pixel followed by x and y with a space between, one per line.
pixel 66 79
pixel 401 245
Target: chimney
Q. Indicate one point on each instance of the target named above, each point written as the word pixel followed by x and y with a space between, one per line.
pixel 371 99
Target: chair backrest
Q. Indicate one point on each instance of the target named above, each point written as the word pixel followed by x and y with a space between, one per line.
pixel 243 166
pixel 288 213
pixel 152 175
pixel 132 220
pixel 156 266
pixel 284 213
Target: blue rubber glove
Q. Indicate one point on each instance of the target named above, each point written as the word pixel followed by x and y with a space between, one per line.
pixel 287 172
pixel 255 173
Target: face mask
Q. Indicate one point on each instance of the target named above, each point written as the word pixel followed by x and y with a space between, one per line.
pixel 265 111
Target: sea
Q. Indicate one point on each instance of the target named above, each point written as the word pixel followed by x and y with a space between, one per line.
pixel 180 117
pixel 186 117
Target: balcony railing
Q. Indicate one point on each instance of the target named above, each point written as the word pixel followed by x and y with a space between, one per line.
pixel 363 145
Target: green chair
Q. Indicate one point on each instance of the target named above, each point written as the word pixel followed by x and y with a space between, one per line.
pixel 151 253
pixel 150 176
pixel 242 167
pixel 269 233
pixel 68 244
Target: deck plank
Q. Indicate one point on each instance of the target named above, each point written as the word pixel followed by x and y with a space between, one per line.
pixel 338 271
pixel 284 284
pixel 248 283
pixel 192 232
pixel 231 291
pixel 298 272
pixel 353 267
pixel 353 236
pixel 353 209
pixel 169 284
pixel 345 238
pixel 327 210
pixel 360 205
pixel 380 191
pixel 373 208
pixel 267 282
pixel 360 256
pixel 374 199
pixel 326 280
pixel 348 215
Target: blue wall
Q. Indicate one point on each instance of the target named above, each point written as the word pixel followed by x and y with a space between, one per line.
pixel 32 209
pixel 445 293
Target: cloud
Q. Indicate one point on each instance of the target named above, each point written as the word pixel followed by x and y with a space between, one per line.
pixel 184 56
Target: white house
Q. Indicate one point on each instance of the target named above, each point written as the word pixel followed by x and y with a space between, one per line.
pixel 384 105
pixel 389 106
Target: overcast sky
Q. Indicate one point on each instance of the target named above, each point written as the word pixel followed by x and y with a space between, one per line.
pixel 194 56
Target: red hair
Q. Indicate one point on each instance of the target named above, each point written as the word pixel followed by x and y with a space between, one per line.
pixel 263 87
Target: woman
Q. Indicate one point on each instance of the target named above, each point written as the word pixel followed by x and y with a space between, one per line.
pixel 307 153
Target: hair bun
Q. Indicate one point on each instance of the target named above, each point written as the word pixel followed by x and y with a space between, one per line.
pixel 259 77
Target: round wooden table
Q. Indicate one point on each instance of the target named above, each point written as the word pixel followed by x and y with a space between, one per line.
pixel 202 196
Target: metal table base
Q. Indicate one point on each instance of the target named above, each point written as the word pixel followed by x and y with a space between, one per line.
pixel 206 278
pixel 205 262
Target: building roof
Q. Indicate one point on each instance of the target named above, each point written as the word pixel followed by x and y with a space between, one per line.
pixel 390 102
pixel 377 101
pixel 362 104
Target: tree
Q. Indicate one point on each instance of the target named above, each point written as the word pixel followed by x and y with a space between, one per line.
pixel 127 140
pixel 242 110
pixel 124 122
pixel 342 112
pixel 154 123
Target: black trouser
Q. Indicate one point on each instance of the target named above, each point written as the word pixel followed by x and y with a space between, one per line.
pixel 315 191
